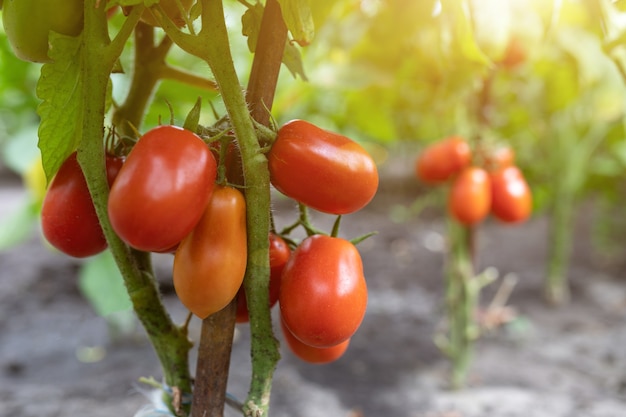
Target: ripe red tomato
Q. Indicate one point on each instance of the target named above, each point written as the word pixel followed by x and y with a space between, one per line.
pixel 443 159
pixel 279 255
pixel 210 263
pixel 313 354
pixel 321 169
pixel 323 294
pixel 68 217
pixel 162 189
pixel 470 196
pixel 511 195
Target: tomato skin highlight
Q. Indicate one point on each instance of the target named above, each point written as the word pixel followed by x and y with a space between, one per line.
pixel 442 160
pixel 27 24
pixel 323 170
pixel 68 218
pixel 470 196
pixel 512 197
pixel 323 293
pixel 313 354
pixel 279 255
pixel 162 189
pixel 210 263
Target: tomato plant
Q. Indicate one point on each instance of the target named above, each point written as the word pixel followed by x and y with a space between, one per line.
pixel 210 263
pixel 279 255
pixel 321 169
pixel 28 23
pixel 68 217
pixel 162 189
pixel 470 196
pixel 443 159
pixel 313 354
pixel 323 294
pixel 511 195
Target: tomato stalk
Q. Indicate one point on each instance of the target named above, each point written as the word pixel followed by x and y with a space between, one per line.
pixel 461 301
pixel 570 158
pixel 98 58
pixel 149 59
pixel 212 45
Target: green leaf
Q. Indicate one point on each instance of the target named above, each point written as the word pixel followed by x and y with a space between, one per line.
pixel 193 117
pixel 60 88
pixel 299 20
pixel 101 283
pixel 18 226
pixel 251 24
pixel 293 61
pixel 464 37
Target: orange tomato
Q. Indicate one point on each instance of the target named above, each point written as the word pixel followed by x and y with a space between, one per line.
pixel 210 263
pixel 470 196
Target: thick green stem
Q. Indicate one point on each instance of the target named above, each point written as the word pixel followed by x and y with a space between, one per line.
pixel 461 301
pixel 264 346
pixel 169 341
pixel 212 45
pixel 556 283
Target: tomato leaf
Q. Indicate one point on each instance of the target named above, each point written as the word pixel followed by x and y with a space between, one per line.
pixel 101 283
pixel 60 88
pixel 299 20
pixel 193 118
pixel 251 24
pixel 293 61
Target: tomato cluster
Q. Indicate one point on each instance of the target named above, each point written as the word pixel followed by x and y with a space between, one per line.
pixel 165 197
pixel 497 186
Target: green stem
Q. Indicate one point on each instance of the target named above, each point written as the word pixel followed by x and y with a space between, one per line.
pixel 169 341
pixel 461 301
pixel 149 62
pixel 212 45
pixel 256 173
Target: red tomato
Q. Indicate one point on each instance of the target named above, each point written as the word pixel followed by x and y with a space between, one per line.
pixel 162 189
pixel 313 354
pixel 442 160
pixel 321 169
pixel 210 263
pixel 68 217
pixel 470 196
pixel 512 198
pixel 279 255
pixel 323 294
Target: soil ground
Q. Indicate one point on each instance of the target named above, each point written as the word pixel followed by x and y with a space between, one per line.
pixel 58 358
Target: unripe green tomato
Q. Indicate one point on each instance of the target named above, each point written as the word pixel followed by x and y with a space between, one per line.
pixel 28 23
